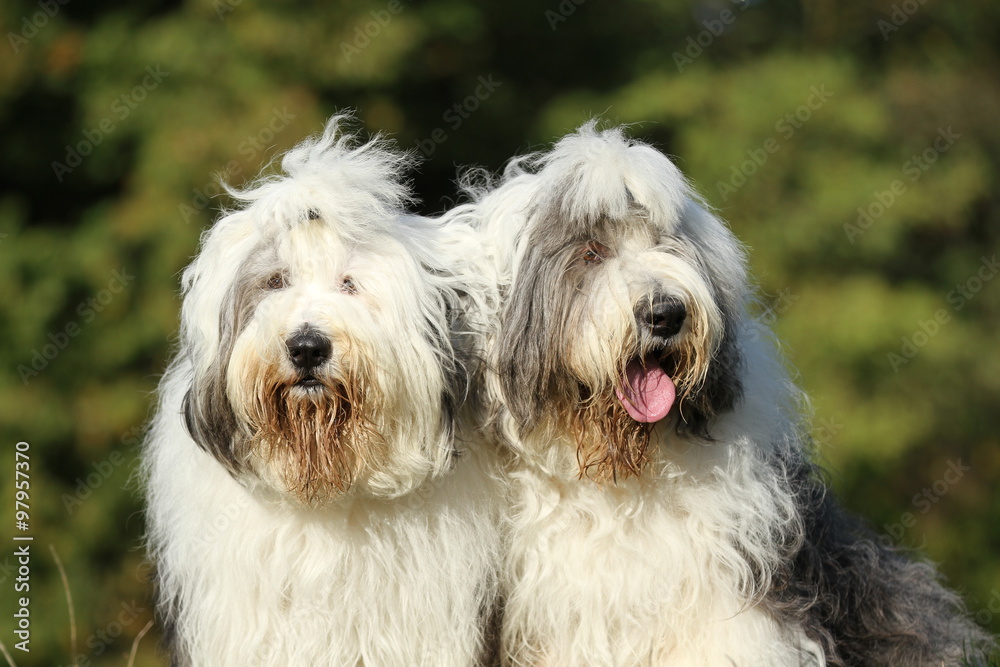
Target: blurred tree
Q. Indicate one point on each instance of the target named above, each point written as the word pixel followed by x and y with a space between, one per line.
pixel 853 146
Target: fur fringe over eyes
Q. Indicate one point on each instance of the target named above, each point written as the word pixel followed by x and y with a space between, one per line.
pixel 680 526
pixel 314 497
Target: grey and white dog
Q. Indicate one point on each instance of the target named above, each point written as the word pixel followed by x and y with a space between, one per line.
pixel 310 499
pixel 664 506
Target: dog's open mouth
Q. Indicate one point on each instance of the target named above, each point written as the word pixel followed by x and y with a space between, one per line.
pixel 647 391
pixel 308 382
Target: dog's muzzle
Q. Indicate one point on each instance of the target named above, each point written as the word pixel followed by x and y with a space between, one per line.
pixel 308 350
pixel 647 392
pixel 662 316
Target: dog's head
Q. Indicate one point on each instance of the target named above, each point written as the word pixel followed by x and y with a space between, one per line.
pixel 621 300
pixel 319 321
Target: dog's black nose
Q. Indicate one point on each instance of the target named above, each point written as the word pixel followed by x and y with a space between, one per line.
pixel 663 317
pixel 308 349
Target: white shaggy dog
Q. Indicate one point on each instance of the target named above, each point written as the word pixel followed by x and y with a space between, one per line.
pixel 664 510
pixel 309 501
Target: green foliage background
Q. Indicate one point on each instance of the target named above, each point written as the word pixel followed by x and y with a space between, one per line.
pixel 239 81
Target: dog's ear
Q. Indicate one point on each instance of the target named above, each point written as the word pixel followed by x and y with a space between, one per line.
pixel 210 420
pixel 208 415
pixel 529 361
pixel 721 389
pixel 722 260
pixel 522 357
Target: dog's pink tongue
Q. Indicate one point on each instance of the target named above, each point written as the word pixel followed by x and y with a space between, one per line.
pixel 648 393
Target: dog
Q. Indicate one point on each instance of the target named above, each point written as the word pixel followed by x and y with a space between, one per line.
pixel 664 506
pixel 311 497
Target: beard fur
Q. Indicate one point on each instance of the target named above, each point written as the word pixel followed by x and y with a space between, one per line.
pixel 317 443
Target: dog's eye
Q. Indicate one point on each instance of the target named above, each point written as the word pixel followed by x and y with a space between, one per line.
pixel 594 253
pixel 276 281
pixel 347 286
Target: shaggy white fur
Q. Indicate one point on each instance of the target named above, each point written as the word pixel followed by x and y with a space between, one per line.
pixel 663 569
pixel 661 561
pixel 309 499
pixel 664 510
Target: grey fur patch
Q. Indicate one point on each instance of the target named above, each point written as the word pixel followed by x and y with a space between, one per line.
pixel 723 385
pixel 542 311
pixel 864 602
pixel 208 416
pixel 534 325
pixel 721 390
